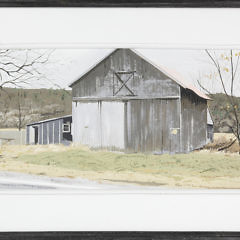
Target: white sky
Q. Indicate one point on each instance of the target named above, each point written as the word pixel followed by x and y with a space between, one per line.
pixel 68 64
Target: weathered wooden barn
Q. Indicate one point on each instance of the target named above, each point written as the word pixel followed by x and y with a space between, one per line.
pixel 127 103
pixel 50 131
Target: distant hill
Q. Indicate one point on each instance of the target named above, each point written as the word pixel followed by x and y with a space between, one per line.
pixel 19 107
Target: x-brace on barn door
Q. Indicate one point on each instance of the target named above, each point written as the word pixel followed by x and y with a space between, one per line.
pixel 120 80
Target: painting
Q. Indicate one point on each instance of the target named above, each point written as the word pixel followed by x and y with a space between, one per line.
pixel 119 118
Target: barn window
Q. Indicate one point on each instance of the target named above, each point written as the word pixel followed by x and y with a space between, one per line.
pixel 121 82
pixel 66 127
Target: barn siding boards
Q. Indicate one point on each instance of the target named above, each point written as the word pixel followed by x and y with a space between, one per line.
pixel 157 126
pixel 112 124
pixel 56 132
pixel 173 125
pixel 45 133
pixel 50 132
pixel 60 130
pixel 153 126
pixel 28 135
pixel 99 124
pixel 86 125
pixel 148 81
pixel 40 134
pixel 194 121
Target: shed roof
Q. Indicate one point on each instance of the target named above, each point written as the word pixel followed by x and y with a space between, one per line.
pixel 48 120
pixel 175 76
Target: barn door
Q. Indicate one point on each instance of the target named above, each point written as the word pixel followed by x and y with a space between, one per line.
pixel 122 83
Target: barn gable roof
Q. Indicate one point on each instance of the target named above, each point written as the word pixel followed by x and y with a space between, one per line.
pixel 170 73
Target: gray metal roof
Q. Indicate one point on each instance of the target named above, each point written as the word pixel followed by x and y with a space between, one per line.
pixel 48 120
pixel 170 73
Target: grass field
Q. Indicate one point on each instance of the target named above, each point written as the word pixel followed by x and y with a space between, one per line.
pixel 200 169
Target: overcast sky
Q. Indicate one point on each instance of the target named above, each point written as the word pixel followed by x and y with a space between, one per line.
pixel 68 64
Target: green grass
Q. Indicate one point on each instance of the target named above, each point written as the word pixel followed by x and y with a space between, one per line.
pixel 202 164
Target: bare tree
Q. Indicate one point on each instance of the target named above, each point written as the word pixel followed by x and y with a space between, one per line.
pixel 19 67
pixel 20 112
pixel 226 67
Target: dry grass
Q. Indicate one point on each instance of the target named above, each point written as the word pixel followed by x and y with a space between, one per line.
pixel 221 140
pixel 202 169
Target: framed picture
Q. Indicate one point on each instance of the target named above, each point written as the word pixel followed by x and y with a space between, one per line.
pixel 119 119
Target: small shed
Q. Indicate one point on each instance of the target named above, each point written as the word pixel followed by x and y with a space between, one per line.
pixel 50 131
pixel 128 103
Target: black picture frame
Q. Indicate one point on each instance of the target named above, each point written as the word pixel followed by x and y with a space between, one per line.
pixel 123 3
pixel 121 235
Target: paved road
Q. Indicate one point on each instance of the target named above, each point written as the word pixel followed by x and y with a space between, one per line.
pixel 11 182
pixel 20 181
